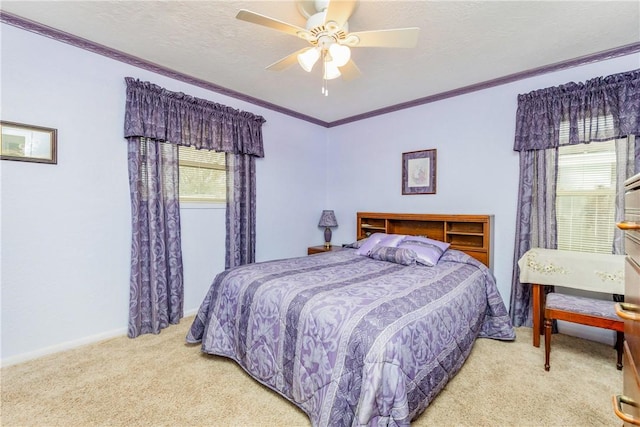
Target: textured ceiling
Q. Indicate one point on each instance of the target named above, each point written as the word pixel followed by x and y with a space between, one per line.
pixel 461 43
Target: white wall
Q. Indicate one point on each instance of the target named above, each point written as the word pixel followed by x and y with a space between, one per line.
pixel 477 169
pixel 66 228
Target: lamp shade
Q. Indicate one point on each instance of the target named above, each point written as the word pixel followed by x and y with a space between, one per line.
pixel 308 58
pixel 340 54
pixel 331 70
pixel 328 219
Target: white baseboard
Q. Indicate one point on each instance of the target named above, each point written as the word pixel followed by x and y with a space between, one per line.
pixel 68 345
pixel 25 357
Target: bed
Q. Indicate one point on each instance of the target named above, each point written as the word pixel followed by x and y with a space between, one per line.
pixel 368 335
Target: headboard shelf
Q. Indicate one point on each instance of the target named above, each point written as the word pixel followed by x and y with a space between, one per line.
pixel 467 233
pixel 373 227
pixel 465 227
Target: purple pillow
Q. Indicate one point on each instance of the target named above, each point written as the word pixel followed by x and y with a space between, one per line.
pixel 371 241
pixel 381 239
pixel 356 244
pixel 428 251
pixel 392 254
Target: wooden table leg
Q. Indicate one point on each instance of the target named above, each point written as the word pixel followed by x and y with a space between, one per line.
pixel 536 292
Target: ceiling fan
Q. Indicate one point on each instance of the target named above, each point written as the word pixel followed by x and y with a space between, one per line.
pixel 327 31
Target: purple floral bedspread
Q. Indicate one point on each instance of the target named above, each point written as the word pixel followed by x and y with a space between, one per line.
pixel 352 340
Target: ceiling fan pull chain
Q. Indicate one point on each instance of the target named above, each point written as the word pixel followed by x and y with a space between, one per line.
pixel 325 89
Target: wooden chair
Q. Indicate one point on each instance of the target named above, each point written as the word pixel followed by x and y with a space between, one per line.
pixel 585 311
pixel 590 272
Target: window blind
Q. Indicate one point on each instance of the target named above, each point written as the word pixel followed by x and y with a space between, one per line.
pixel 585 197
pixel 202 175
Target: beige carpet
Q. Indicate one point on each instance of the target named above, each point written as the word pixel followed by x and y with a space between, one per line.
pixel 158 380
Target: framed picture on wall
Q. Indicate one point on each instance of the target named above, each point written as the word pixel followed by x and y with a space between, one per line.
pixel 28 143
pixel 419 172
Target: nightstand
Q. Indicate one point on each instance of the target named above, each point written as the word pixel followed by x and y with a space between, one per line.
pixel 319 249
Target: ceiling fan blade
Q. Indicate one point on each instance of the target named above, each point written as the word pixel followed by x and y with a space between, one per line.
pixel 287 61
pixel 339 11
pixel 265 21
pixel 399 37
pixel 350 71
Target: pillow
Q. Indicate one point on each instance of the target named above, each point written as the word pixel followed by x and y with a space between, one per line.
pixel 382 239
pixel 401 256
pixel 371 241
pixel 392 240
pixel 428 251
pixel 356 244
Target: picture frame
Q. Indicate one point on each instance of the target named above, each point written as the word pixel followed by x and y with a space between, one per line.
pixel 28 143
pixel 419 172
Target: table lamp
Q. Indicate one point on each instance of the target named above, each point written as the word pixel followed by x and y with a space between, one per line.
pixel 327 220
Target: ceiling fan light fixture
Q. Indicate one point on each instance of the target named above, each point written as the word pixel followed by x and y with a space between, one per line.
pixel 331 70
pixel 327 31
pixel 340 54
pixel 308 58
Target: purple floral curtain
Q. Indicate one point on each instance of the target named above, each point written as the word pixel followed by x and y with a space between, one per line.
pixel 154 112
pixel 156 121
pixel 600 109
pixel 241 210
pixel 156 287
pixel 536 219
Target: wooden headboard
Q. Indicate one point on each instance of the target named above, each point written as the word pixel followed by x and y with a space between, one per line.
pixel 471 234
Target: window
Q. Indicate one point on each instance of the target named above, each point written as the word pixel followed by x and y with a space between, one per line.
pixel 202 175
pixel 585 197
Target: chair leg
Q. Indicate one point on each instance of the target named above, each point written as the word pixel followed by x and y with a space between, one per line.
pixel 547 342
pixel 619 344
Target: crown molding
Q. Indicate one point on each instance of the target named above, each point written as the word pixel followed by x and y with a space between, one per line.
pixel 582 60
pixel 82 43
pixel 85 44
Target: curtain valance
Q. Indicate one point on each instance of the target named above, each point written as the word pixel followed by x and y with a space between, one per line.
pixel 600 109
pixel 154 112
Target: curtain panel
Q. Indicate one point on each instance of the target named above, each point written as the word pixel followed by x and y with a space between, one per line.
pixel 156 113
pixel 240 217
pixel 156 122
pixel 600 109
pixel 156 280
pixel 536 222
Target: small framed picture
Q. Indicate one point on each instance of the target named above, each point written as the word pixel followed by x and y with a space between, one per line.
pixel 419 172
pixel 28 143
